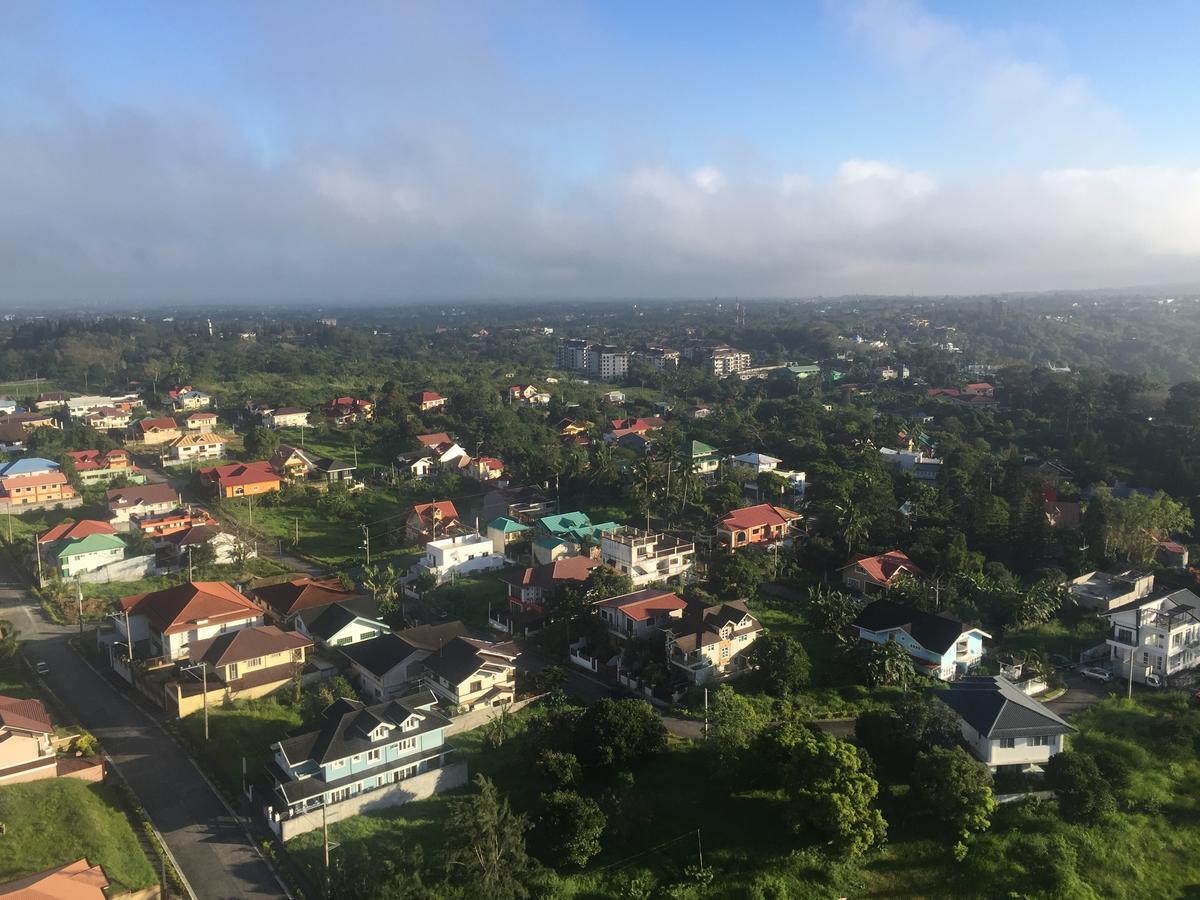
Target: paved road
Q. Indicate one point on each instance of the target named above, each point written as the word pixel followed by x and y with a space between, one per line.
pixel 1081 693
pixel 216 857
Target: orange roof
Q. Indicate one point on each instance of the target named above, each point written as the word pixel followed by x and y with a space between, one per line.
pixel 426 511
pixel 163 424
pixel 201 415
pixel 757 516
pixel 432 440
pixel 42 480
pixel 184 606
pixel 25 715
pixel 642 605
pixel 886 566
pixel 65 531
pixel 235 474
pixel 428 396
pixel 289 597
pixel 78 880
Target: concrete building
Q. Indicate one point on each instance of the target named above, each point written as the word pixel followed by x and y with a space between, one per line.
pixel 647 557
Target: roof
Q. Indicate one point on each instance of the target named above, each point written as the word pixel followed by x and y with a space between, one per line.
pixel 25 715
pixel 936 632
pixel 245 643
pixel 439 510
pixel 699 448
pixel 141 495
pixel 234 474
pixel 160 424
pixel 67 531
pixel 289 411
pixel 1181 599
pixel 78 880
pixel 381 654
pixel 997 709
pixel 30 465
pixel 289 597
pixel 565 523
pixel 427 396
pixel 185 605
pixel 195 440
pixel 200 414
pixel 757 459
pixel 551 575
pixel 506 525
pixel 461 657
pixel 42 478
pixel 324 622
pixel 93 543
pixel 757 516
pixel 886 566
pixel 701 625
pixel 644 604
pixel 432 440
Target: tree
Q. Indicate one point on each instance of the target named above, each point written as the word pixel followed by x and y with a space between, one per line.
pixel 261 442
pixel 560 768
pixel 733 576
pixel 832 795
pixel 830 610
pixel 485 844
pixel 782 664
pixel 888 664
pixel 1039 603
pixel 955 790
pixel 733 724
pixel 383 583
pixel 1082 791
pixel 9 640
pixel 615 733
pixel 569 827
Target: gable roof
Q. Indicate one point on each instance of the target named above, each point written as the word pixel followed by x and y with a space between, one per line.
pixel 78 880
pixel 551 575
pixel 426 397
pixel 324 622
pixel 92 543
pixel 179 608
pixel 235 474
pixel 886 566
pixel 758 516
pixel 699 448
pixel 461 657
pixel 757 459
pixel 997 709
pixel 432 440
pixel 245 643
pixel 141 495
pixel 701 625
pixel 289 597
pixel 163 423
pixel 936 632
pixel 506 525
pixel 30 465
pixel 25 715
pixel 438 511
pixel 644 604
pixel 68 531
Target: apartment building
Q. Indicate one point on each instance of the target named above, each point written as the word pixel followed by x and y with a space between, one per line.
pixel 1157 635
pixel 602 360
pixel 647 557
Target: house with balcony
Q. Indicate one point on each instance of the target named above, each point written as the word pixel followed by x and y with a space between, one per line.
pixel 195 446
pixel 871 576
pixel 348 410
pixel 1104 591
pixel 637 615
pixel 34 483
pixel 1002 726
pixel 709 643
pixel 531 588
pixel 468 674
pixel 1158 634
pixel 763 523
pixel 485 468
pixel 140 501
pixel 237 665
pixel 94 467
pixel 360 758
pixel 459 554
pixel 706 459
pixel 940 644
pixel 754 464
pixel 298 464
pixel 108 418
pixel 647 557
pixel 165 623
pixel 161 525
pixel 191 399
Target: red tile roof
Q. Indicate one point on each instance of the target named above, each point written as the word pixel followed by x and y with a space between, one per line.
pixel 163 424
pixel 642 605
pixel 886 566
pixel 432 440
pixel 69 531
pixel 427 396
pixel 183 606
pixel 234 474
pixel 25 715
pixel 551 575
pixel 78 880
pixel 245 643
pixel 429 512
pixel 758 516
pixel 289 597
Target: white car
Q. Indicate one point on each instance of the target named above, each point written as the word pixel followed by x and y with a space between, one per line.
pixel 1096 672
pixel 1154 681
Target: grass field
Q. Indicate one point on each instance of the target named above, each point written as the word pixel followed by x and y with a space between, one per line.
pixel 51 822
pixel 242 729
pixel 466 598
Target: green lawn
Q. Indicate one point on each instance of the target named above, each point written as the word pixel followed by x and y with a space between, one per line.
pixel 51 822
pixel 467 599
pixel 245 728
pixel 1068 637
pixel 336 444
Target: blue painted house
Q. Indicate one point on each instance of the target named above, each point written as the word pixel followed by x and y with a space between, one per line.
pixel 361 757
pixel 939 644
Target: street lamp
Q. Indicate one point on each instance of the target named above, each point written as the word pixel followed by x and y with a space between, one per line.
pixel 203 667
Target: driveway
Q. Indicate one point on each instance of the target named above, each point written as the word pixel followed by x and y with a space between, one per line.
pixel 217 858
pixel 1081 693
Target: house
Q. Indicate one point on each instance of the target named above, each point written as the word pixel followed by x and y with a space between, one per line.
pixel 460 554
pixel 25 733
pixel 710 642
pixel 759 524
pixel 389 666
pixel 574 431
pixel 94 467
pixel 872 575
pixel 108 418
pixel 701 412
pixel 1002 726
pixel 800 373
pixel 507 535
pixel 637 615
pixel 88 554
pixel 647 557
pixel 359 758
pixel 179 519
pixel 7 406
pixel 190 399
pixel 143 500
pixel 285 417
pixel 939 644
pixel 296 464
pixel 524 503
pixel 343 623
pixel 35 483
pixel 200 421
pixel 641 426
pixel 430 521
pixel 78 880
pixel 469 674
pixel 1102 591
pixel 925 469
pixel 420 464
pixel 12 437
pixel 1172 554
pixel 485 468
pixel 427 401
pixel 196 446
pixel 73 531
pixel 613 397
pixel 531 588
pixel 347 410
pixel 168 621
pixel 445 451
pixel 240 479
pixel 30 420
pixel 1158 634
pixel 237 665
pixel 755 463
pixel 1061 513
pixel 706 459
pixel 576 528
pixel 153 431
pixel 51 400
pixel 226 548
pixel 285 599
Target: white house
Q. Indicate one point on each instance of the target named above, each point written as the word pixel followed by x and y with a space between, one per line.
pixel 647 557
pixel 1002 726
pixel 939 644
pixel 89 554
pixel 189 400
pixel 341 624
pixel 285 417
pixel 639 614
pixel 78 407
pixel 755 463
pixel 1156 635
pixel 170 620
pixel 205 445
pixel 461 554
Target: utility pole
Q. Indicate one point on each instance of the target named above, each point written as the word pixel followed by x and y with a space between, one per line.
pixel 296 539
pixel 366 530
pixel 189 550
pixel 706 714
pixel 79 598
pixel 203 667
pixel 700 848
pixel 37 551
pixel 250 504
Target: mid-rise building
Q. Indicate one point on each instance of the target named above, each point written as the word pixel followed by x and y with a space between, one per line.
pixel 602 360
pixel 647 557
pixel 1157 635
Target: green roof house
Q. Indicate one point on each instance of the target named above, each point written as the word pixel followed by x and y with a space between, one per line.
pixel 89 554
pixel 504 533
pixel 706 459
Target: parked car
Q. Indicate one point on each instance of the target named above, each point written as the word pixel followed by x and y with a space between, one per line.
pixel 1154 681
pixel 1096 672
pixel 41 667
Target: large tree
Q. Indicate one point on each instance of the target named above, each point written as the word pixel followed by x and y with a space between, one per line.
pixel 618 732
pixel 954 790
pixel 485 844
pixel 782 663
pixel 1082 791
pixel 569 828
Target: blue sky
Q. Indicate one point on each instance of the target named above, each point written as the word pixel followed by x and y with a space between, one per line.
pixel 389 151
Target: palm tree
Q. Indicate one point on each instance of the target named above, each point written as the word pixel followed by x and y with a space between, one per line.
pixel 889 664
pixel 853 523
pixel 604 467
pixel 382 582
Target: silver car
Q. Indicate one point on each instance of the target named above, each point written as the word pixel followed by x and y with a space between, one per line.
pixel 1096 672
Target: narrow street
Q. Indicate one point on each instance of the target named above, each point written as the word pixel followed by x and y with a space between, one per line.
pixel 216 857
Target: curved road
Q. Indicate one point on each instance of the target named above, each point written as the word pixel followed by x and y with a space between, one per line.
pixel 215 855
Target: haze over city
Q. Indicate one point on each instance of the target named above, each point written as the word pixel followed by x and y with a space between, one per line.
pixel 392 152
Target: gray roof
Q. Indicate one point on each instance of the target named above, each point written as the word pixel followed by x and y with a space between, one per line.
pixel 325 621
pixel 1179 599
pixel 997 709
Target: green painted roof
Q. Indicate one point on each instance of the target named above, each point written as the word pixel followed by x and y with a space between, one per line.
pixel 565 522
pixel 93 543
pixel 699 448
pixel 506 525
pixel 549 542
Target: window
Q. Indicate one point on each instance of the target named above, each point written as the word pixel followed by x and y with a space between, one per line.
pixel 337 764
pixel 476 686
pixel 1008 743
pixel 1041 740
pixel 374 755
pixel 357 757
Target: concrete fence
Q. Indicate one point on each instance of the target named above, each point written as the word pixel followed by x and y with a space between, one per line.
pixel 478 717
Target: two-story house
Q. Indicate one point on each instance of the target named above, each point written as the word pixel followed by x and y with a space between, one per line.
pixel 34 482
pixel 187 400
pixel 140 501
pixel 763 523
pixel 870 576
pixel 153 431
pixel 285 417
pixel 709 643
pixel 237 665
pixel 358 758
pixel 108 418
pixel 508 536
pixel 240 479
pixel 283 600
pixel 469 674
pixel 530 588
pixel 165 623
pixel 428 401
pixel 390 665
pixel 460 554
pixel 94 467
pixel 1002 725
pixel 298 464
pixel 195 446
pixel 430 521
pixel 25 732
pixel 939 644
pixel 647 557
pixel 1156 635
pixel 1104 591
pixel 706 459
pixel 88 554
pixel 203 420
pixel 638 615
pixel 343 623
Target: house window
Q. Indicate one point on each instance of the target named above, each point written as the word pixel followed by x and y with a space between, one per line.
pixel 476 686
pixel 337 764
pixel 725 652
pixel 1041 740
pixel 1008 743
pixel 374 755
